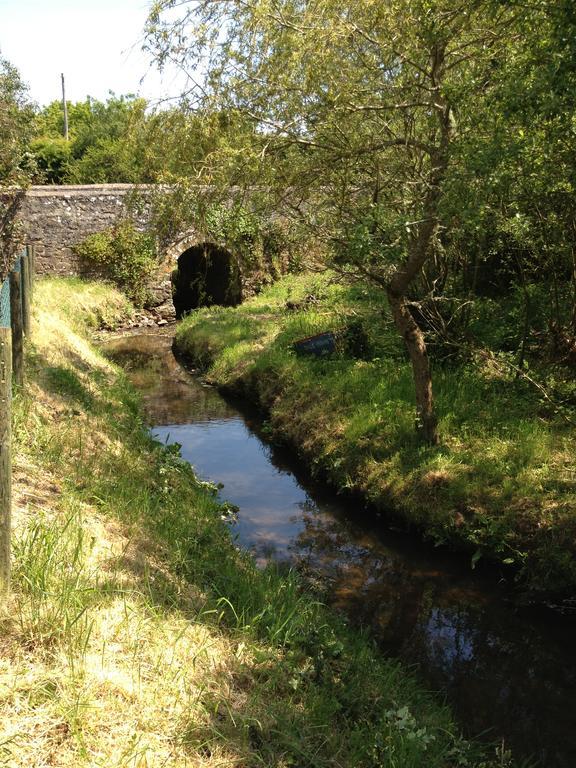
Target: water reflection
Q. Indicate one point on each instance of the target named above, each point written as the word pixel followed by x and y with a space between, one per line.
pixel 504 671
pixel 165 387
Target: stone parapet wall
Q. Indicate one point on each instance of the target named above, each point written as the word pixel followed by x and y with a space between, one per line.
pixel 55 218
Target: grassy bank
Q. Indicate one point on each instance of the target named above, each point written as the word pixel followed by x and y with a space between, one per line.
pixel 502 484
pixel 137 634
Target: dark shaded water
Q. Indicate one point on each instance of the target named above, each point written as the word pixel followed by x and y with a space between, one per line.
pixel 507 672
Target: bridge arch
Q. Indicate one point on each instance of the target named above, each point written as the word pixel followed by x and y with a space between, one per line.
pixel 56 218
pixel 205 273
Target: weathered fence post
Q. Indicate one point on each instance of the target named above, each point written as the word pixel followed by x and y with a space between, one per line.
pixel 25 288
pixel 5 456
pixel 17 329
pixel 31 252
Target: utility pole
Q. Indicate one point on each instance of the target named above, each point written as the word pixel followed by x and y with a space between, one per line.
pixel 65 108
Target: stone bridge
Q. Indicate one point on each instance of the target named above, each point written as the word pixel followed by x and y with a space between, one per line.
pixel 55 218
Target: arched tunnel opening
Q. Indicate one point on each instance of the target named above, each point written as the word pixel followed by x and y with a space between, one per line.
pixel 206 274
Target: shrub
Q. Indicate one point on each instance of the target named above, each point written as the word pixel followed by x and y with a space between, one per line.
pixel 124 256
pixel 53 158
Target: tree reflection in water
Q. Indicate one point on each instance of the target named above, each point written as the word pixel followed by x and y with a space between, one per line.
pixel 500 668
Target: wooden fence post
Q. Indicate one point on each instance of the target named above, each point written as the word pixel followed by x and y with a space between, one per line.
pixel 31 252
pixel 17 329
pixel 25 288
pixel 5 456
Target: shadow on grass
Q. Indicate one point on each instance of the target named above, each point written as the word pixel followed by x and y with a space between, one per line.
pixel 60 380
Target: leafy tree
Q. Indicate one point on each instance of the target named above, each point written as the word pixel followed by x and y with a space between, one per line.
pixel 180 143
pixel 121 141
pixel 49 121
pixel 104 145
pixel 15 117
pixel 16 164
pixel 355 113
pixel 53 157
pixel 512 200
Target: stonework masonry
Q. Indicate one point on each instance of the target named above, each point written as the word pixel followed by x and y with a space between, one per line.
pixel 55 218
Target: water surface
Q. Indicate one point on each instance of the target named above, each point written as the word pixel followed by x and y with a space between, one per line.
pixel 508 673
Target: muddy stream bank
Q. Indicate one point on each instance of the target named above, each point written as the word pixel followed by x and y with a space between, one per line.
pixel 509 673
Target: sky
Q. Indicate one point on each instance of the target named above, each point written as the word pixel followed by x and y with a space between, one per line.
pixel 95 43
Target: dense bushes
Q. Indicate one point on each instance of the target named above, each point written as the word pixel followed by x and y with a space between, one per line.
pixel 501 484
pixel 124 256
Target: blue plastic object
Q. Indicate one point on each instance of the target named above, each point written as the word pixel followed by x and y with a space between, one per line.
pixel 318 345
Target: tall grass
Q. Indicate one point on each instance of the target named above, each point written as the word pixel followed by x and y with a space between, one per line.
pixel 139 635
pixel 498 485
pixel 55 589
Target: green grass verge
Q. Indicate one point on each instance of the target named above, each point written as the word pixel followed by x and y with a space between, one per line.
pixel 503 482
pixel 137 634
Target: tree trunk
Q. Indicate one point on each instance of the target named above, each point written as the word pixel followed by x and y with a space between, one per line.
pixel 574 289
pixel 420 248
pixel 419 251
pixel 426 422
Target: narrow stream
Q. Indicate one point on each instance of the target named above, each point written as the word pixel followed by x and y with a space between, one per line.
pixel 508 673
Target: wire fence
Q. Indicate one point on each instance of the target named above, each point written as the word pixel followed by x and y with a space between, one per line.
pixel 5 304
pixel 5 313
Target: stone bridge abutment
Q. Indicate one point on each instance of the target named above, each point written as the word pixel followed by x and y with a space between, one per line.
pixel 56 218
pixel 193 271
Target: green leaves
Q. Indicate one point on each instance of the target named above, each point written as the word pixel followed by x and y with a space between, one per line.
pixel 108 142
pixel 15 119
pixel 53 158
pixel 125 256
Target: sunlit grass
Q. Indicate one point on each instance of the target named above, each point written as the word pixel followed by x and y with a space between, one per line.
pixel 503 481
pixel 137 634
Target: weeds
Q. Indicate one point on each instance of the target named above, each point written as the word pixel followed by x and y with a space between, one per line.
pixel 138 634
pixel 55 589
pixel 499 484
